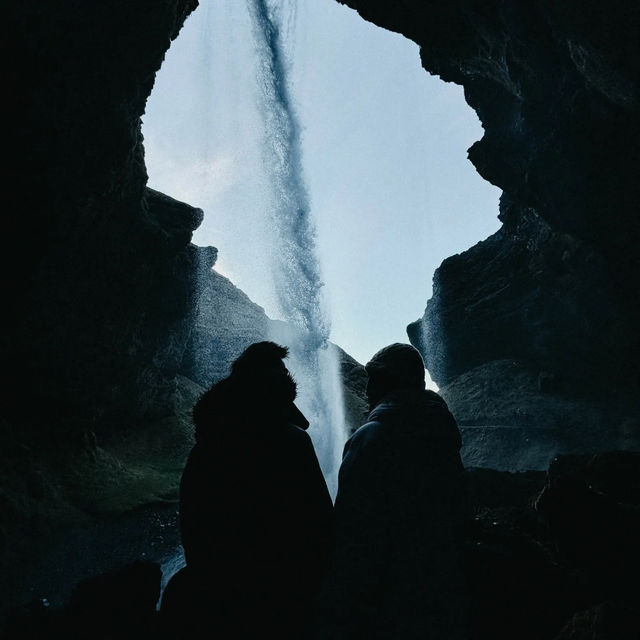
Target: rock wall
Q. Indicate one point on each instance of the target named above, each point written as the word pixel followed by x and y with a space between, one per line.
pixel 103 293
pixel 89 309
pixel 227 321
pixel 97 270
pixel 555 85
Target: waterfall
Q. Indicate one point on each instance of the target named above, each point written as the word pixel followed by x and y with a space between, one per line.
pixel 273 204
pixel 295 268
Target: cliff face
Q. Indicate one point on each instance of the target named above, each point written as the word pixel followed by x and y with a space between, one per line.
pixel 97 271
pixel 102 293
pixel 555 85
pixel 89 306
pixel 122 483
pixel 227 322
pixel 529 293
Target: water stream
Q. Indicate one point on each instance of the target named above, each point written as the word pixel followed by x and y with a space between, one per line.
pixel 294 260
pixel 290 244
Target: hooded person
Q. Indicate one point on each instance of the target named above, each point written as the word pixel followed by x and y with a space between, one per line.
pixel 255 511
pixel 396 569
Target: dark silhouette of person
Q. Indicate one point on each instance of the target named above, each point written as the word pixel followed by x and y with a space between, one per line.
pixel 255 511
pixel 400 508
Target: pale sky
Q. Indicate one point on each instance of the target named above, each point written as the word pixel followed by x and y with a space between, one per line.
pixel 384 151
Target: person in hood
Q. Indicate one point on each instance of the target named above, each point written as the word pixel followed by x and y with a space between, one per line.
pixel 255 512
pixel 400 508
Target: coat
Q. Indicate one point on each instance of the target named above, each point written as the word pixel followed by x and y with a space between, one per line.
pixel 255 513
pixel 396 569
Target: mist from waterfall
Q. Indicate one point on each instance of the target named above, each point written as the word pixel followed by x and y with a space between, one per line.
pixel 295 268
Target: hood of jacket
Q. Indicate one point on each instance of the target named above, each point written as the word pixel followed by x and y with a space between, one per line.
pixel 240 404
pixel 419 413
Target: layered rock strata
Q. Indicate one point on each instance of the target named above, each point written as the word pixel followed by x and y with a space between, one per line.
pixel 555 85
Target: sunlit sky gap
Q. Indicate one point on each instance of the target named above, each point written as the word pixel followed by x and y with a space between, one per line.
pixel 384 153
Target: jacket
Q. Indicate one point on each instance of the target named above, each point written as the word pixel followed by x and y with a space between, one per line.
pixel 396 570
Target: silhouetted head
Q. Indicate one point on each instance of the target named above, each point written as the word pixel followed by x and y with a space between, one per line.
pixel 397 366
pixel 259 387
pixel 260 358
pixel 260 369
pixel 261 365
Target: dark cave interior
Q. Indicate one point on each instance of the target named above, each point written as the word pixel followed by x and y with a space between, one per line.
pixel 534 328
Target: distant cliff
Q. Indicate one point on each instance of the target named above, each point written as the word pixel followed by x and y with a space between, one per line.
pixel 556 87
pixel 227 322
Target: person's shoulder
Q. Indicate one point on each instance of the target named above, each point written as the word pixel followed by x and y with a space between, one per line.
pixel 369 429
pixel 368 435
pixel 365 449
pixel 435 400
pixel 297 443
pixel 296 434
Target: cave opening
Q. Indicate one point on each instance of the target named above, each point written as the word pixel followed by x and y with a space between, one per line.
pixel 382 148
pixel 541 363
pixel 392 193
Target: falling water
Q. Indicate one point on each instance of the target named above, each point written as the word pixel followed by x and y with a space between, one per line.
pixel 278 192
pixel 295 268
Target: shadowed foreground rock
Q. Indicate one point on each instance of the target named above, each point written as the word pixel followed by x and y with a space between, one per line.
pixel 101 302
pixel 607 621
pixel 549 557
pixel 555 564
pixel 121 604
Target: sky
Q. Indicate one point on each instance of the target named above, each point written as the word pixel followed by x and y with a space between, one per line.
pixel 384 150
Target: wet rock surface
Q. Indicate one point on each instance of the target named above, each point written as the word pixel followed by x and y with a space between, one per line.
pixel 560 559
pixel 514 418
pixel 118 604
pixel 46 579
pixel 556 89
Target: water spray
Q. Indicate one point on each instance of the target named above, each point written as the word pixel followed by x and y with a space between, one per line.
pixel 295 265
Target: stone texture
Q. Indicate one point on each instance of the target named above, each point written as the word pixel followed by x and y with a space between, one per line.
pixel 101 283
pixel 531 294
pixel 227 322
pixel 97 270
pixel 512 418
pixel 554 555
pixel 555 86
pixel 91 322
